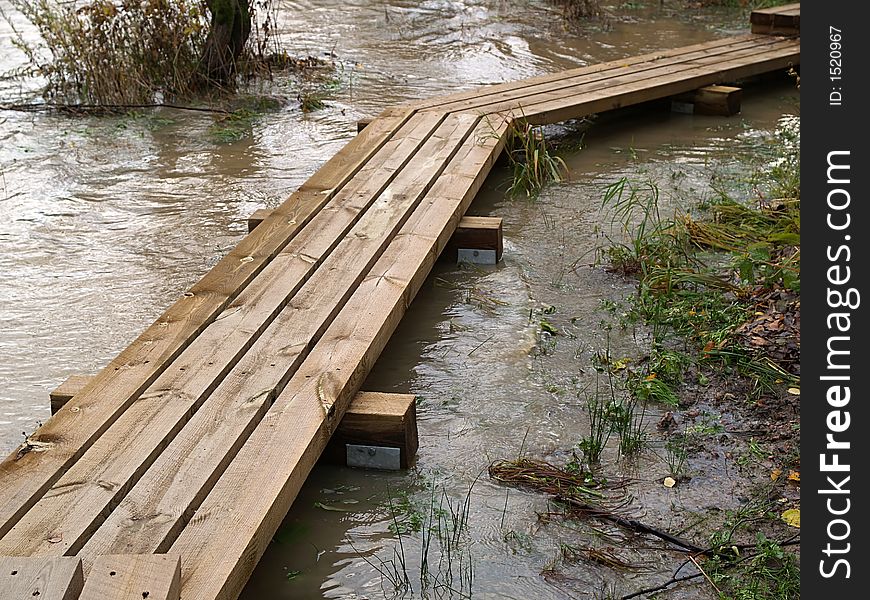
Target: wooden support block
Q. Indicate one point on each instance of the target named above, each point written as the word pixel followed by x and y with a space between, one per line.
pixel 66 390
pixel 374 419
pixel 476 233
pixel 377 419
pixel 134 577
pixel 777 20
pixel 719 100
pixel 43 577
pixel 363 123
pixel 473 233
pixel 258 217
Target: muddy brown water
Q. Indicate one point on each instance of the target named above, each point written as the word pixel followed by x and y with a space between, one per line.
pixel 104 222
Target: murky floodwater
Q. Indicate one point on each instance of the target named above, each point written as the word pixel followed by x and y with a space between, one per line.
pixel 106 221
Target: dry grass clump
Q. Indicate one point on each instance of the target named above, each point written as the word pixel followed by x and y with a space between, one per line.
pixel 132 52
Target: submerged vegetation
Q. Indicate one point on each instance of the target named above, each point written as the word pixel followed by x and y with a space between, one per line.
pixel 726 284
pixel 533 163
pixel 717 308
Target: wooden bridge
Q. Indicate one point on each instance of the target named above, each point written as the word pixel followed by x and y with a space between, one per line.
pixel 168 472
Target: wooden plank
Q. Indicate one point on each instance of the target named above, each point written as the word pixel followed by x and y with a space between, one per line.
pixel 25 475
pixel 362 124
pixel 698 72
pixel 782 8
pixel 71 509
pixel 134 577
pixel 777 20
pixel 224 542
pixel 477 233
pixel 63 393
pixel 482 233
pixel 563 108
pixel 47 578
pixel 149 518
pixel 604 79
pixel 439 102
pixel 393 416
pixel 377 419
pixel 257 217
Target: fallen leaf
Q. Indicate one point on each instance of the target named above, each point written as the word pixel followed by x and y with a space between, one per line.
pixel 794 476
pixel 669 482
pixel 619 365
pixel 794 391
pixel 774 475
pixel 792 517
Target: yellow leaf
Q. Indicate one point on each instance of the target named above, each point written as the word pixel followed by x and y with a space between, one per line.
pixel 669 482
pixel 792 517
pixel 794 391
pixel 794 476
pixel 774 475
pixel 650 377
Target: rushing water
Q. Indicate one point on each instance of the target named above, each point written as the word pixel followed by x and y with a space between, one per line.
pixel 106 221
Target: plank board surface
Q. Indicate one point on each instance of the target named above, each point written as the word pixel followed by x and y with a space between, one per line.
pixel 71 509
pixel 28 472
pixel 26 578
pixel 584 82
pixel 296 428
pixel 486 91
pixel 149 518
pixel 134 577
pixel 65 392
pixel 562 108
pixel 654 83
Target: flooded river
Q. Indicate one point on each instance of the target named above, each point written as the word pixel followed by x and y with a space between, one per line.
pixel 104 222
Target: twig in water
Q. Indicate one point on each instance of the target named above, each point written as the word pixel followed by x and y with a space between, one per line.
pixel 661 587
pixel 480 344
pixel 92 108
pixel 707 577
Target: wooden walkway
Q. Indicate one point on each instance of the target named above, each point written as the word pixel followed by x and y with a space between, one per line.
pixel 193 442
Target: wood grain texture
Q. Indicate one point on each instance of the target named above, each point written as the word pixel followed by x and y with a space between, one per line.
pixel 297 427
pixel 777 20
pixel 65 392
pixel 377 419
pixel 77 502
pixel 149 518
pixel 26 578
pixel 257 217
pixel 552 78
pixel 785 55
pixel 653 83
pixel 134 577
pixel 373 418
pixel 26 474
pixel 630 70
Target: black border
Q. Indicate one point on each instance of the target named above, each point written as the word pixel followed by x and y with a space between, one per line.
pixel 828 127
